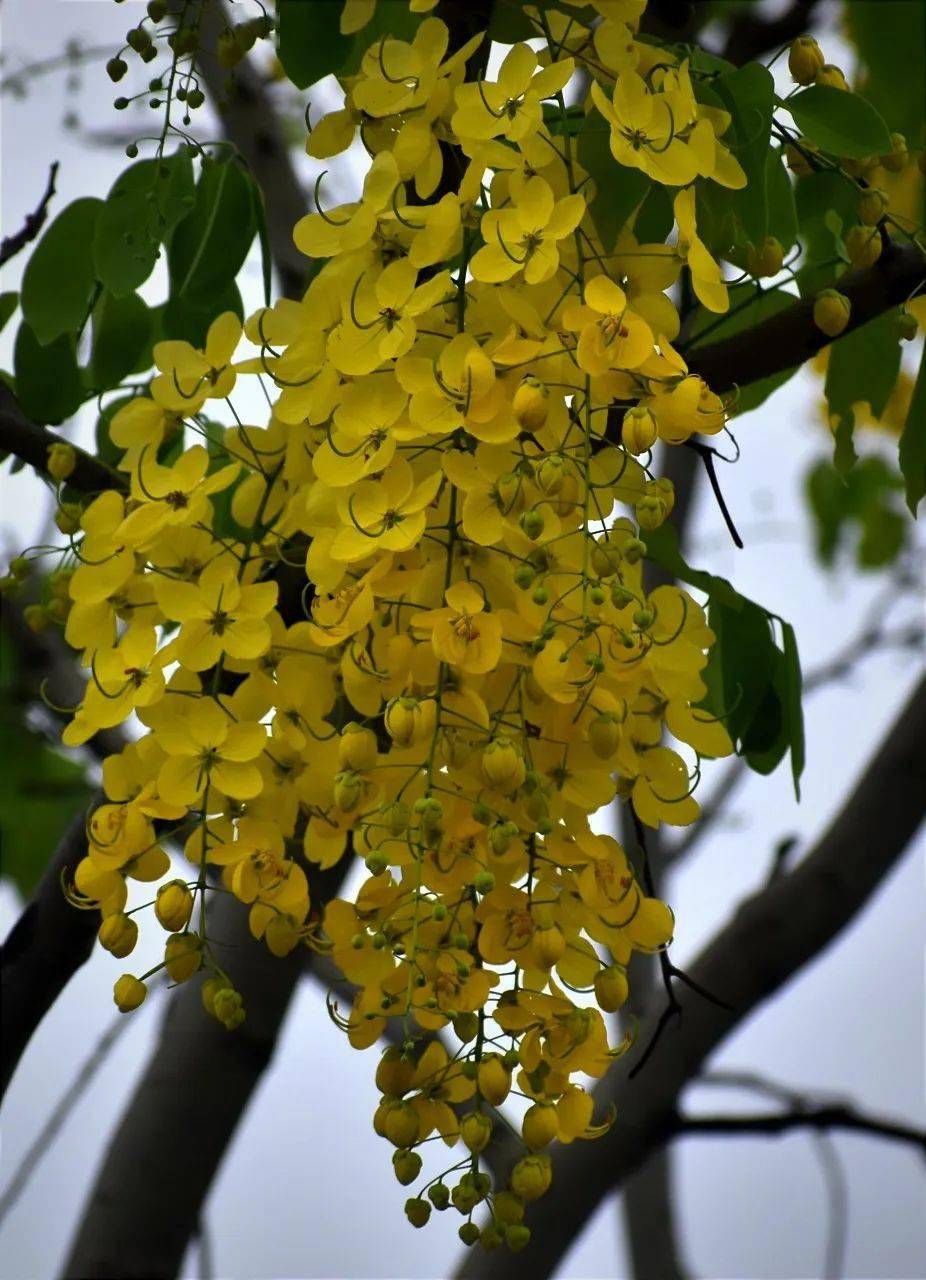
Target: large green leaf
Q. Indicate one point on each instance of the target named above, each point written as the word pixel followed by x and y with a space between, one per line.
pixel 840 123
pixel 59 278
pixel 890 36
pixel 8 303
pixel 48 382
pixel 146 202
pixel 618 190
pixel 749 95
pixel 121 327
pixel 913 442
pixel 189 319
pixel 210 245
pixel 782 212
pixel 862 508
pixel 826 204
pixel 311 45
pixel 863 368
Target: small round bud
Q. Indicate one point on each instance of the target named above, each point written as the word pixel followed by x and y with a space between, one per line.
pixel 484 882
pixel 37 618
pixel 116 69
pixel 407 1166
pixel 611 988
pixel 805 59
pixel 182 956
pixel 129 992
pixel 638 432
pixel 376 864
pixel 493 1080
pixel 765 259
pixel 476 1131
pixel 831 75
pixel 831 311
pixel 872 205
pixel 863 245
pixel 517 1237
pixel 173 906
pixel 897 157
pixel 539 1127
pixel 531 403
pixel 417 1211
pixel 439 1195
pixel 469 1233
pixel 118 934
pixel 532 523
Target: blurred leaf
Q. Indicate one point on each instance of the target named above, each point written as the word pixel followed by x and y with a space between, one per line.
pixel 890 36
pixel 121 327
pixel 913 442
pixel 862 507
pixel 48 381
pixel 656 216
pixel 748 93
pixel 838 122
pixel 862 368
pixel 210 245
pixel 145 203
pixel 618 190
pixel 794 684
pixel 8 304
pixel 59 278
pixel 825 204
pixel 782 210
pixel 311 46
pixel 509 23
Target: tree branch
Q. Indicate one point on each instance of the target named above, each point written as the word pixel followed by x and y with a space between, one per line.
pixel 28 441
pixel 11 245
pixel 752 35
pixel 831 1117
pixel 791 338
pixel 766 943
pixel 45 948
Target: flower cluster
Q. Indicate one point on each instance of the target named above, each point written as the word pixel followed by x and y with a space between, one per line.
pixel 463 407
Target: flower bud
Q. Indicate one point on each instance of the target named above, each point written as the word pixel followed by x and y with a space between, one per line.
pixel 517 1237
pixel 531 1177
pixel 396 817
pixel 357 748
pixel 611 988
pixel 118 934
pixel 907 326
pixel 604 735
pixel 401 720
pixel 182 956
pixel 532 523
pixel 37 618
pixel 863 245
pixel 650 512
pixel 638 432
pixel 484 882
pixel 765 259
pixel 469 1233
pixel 503 765
pixel 547 947
pixel 493 1080
pixel 394 1074
pixel 174 906
pixel 282 934
pixel 831 311
pixel 348 788
pixel 129 992
pixel 476 1131
pixel 898 155
pixel 831 75
pixel 872 205
pixel 606 558
pixel 407 1166
pixel 531 403
pixel 539 1127
pixel 439 1195
pixel 417 1211
pixel 507 1208
pixel 20 568
pixel 67 518
pixel 401 1124
pixel 805 59
pixel 61 461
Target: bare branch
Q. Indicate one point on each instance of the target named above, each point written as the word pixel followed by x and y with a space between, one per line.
pixel 832 1117
pixel 766 943
pixel 752 35
pixel 27 440
pixel 45 948
pixel 11 245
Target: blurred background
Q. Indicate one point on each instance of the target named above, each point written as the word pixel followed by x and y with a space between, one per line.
pixel 307 1189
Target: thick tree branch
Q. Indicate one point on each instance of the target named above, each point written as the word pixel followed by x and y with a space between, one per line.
pixel 45 948
pixel 28 441
pixel 751 35
pixel 766 943
pixel 11 245
pixel 791 338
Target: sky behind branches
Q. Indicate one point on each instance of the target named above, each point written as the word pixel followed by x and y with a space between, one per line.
pixel 307 1189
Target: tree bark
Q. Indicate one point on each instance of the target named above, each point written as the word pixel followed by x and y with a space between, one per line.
pixel 766 943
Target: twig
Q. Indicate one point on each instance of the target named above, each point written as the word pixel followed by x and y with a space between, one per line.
pixel 707 454
pixel 11 245
pixel 832 1117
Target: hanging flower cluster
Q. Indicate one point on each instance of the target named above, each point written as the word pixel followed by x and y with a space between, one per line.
pixel 462 406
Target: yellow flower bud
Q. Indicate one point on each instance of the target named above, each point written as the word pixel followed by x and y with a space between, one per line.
pixel 863 245
pixel 476 1131
pixel 638 433
pixel 357 748
pixel 531 403
pixel 174 906
pixel 765 259
pixel 531 1177
pixel 517 1237
pixel 547 947
pixel 872 205
pixel 551 475
pixel 604 735
pixel 401 1124
pixel 797 162
pixel 650 512
pixel 805 59
pixel 503 765
pixel 493 1080
pixel 129 992
pixel 394 1074
pixel 538 1128
pixel 118 934
pixel 831 311
pixel 182 956
pixel 407 1166
pixel 282 934
pixel 508 1209
pixel 61 461
pixel 37 618
pixel 67 518
pixel 606 558
pixel 611 988
pixel 417 1211
pixel 897 157
pixel 348 788
pixel 831 75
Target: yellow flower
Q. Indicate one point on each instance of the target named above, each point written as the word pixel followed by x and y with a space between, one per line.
pixel 380 323
pixel 205 748
pixel 524 237
pixel 187 377
pixel 464 635
pixel 217 616
pixel 611 336
pixel 511 105
pixel 387 515
pixel 644 130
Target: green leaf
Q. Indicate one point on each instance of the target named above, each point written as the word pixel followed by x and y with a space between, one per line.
pixel 263 236
pixel 862 507
pixel 662 548
pixel 838 122
pixel 656 216
pixel 8 304
pixel 509 24
pixel 210 245
pixel 913 442
pixel 794 684
pixel 890 36
pixel 618 190
pixel 144 205
pixel 189 319
pixel 782 210
pixel 863 367
pixel 825 204
pixel 121 327
pixel 48 382
pixel 749 95
pixel 311 45
pixel 59 278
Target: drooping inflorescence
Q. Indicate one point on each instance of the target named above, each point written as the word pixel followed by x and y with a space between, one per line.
pixel 404 620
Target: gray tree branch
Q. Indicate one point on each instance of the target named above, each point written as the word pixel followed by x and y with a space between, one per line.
pixel 766 943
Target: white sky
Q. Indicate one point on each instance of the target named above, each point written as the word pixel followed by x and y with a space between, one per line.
pixel 307 1189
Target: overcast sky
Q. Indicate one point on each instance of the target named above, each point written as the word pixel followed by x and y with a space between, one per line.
pixel 307 1189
